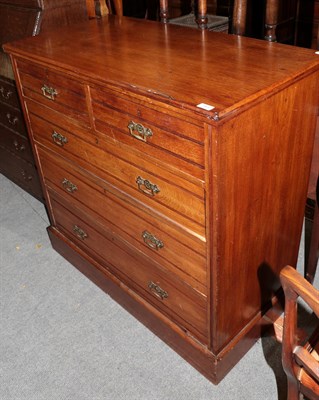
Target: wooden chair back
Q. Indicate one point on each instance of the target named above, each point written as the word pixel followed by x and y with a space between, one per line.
pixel 300 361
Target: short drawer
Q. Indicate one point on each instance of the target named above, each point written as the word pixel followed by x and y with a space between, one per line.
pixel 177 251
pixel 171 195
pixel 16 143
pixel 173 297
pixel 55 91
pixel 161 135
pixel 12 118
pixel 8 92
pixel 21 172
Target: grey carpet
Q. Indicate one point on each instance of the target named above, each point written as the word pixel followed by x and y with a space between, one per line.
pixel 62 338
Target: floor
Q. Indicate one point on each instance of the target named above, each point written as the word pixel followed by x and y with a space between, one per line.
pixel 62 338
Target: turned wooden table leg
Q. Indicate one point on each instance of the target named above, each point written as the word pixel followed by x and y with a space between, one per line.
pixel 271 20
pixel 90 6
pixel 202 14
pixel 164 11
pixel 118 5
pixel 239 17
pixel 312 242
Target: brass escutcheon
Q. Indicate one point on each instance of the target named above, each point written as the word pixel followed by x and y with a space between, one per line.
pixel 152 241
pixel 138 131
pixel 157 290
pixel 49 92
pixel 150 188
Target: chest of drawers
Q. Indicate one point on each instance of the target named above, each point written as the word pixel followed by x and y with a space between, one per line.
pixel 175 180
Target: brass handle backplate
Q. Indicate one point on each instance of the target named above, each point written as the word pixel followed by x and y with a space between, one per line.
pixel 12 119
pixel 69 186
pixel 5 94
pixel 138 131
pixel 49 92
pixel 152 241
pixel 59 139
pixel 26 176
pixel 157 290
pixel 149 188
pixel 18 146
pixel 80 233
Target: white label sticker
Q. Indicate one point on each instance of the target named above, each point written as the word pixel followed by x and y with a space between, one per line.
pixel 317 52
pixel 206 107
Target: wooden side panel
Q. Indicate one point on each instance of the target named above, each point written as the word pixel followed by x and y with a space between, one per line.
pixel 264 158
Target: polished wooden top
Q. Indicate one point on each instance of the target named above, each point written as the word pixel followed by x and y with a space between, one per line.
pixel 178 65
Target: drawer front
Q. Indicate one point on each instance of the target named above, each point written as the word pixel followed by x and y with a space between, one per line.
pixel 16 144
pixel 55 91
pixel 160 135
pixel 174 249
pixel 8 93
pixel 21 172
pixel 179 301
pixel 169 194
pixel 12 118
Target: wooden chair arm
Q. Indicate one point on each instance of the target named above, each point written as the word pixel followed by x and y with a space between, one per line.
pixel 301 367
pixel 295 285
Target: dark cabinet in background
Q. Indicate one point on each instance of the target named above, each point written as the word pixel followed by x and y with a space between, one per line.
pixel 18 19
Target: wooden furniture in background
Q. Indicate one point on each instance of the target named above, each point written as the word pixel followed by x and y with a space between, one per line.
pixel 115 5
pixel 239 13
pixel 271 20
pixel 239 17
pixel 312 215
pixel 315 36
pixel 312 211
pixel 167 191
pixel 18 19
pixel 300 361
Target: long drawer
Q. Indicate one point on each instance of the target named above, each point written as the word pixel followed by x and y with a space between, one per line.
pixel 177 251
pixel 176 198
pixel 174 298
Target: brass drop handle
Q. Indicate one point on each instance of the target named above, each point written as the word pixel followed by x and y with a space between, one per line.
pixel 5 95
pixel 152 241
pixel 69 186
pixel 149 188
pixel 59 139
pixel 25 176
pixel 157 290
pixel 138 131
pixel 12 119
pixel 80 233
pixel 49 92
pixel 17 146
